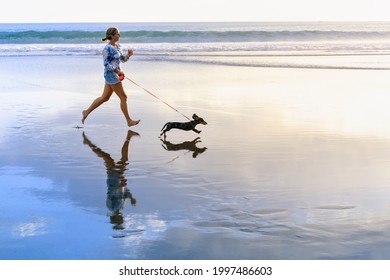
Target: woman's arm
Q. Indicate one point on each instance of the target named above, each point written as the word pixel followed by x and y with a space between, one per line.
pixel 127 57
pixel 129 53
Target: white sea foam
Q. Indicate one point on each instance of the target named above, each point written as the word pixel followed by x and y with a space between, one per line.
pixel 218 43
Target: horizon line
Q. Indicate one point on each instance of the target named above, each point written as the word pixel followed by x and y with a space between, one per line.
pixel 222 21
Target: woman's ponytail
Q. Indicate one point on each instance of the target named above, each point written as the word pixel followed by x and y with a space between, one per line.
pixel 110 33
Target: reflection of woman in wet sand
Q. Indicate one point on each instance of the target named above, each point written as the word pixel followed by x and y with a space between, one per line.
pixel 117 192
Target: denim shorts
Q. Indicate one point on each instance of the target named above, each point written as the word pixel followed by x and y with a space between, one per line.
pixel 111 77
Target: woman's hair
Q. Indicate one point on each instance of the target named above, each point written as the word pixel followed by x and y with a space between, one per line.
pixel 110 33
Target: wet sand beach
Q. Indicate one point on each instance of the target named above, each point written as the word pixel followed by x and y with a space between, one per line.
pixel 293 163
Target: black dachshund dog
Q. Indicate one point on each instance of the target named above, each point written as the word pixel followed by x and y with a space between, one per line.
pixel 184 126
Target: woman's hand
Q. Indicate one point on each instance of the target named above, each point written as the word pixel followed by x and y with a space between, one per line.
pixel 129 53
pixel 118 72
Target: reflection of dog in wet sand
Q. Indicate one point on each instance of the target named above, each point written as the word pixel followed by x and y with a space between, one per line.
pixel 184 126
pixel 187 145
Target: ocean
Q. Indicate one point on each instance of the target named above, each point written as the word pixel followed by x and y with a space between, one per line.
pixel 356 45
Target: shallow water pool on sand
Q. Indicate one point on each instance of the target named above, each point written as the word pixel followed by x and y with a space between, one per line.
pixel 293 164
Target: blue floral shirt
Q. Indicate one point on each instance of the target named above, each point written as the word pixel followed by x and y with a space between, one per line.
pixel 112 57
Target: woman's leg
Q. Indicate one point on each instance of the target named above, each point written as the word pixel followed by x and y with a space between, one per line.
pixel 118 89
pixel 107 92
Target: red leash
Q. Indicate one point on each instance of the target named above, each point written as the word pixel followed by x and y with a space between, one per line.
pixel 157 98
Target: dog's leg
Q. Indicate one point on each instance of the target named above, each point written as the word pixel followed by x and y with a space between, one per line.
pixel 162 129
pixel 168 128
pixel 197 131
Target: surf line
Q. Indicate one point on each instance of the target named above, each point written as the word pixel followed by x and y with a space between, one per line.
pixel 155 96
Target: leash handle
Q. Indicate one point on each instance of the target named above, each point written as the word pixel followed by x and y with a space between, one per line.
pixel 155 96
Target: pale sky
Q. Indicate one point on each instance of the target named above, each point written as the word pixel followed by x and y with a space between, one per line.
pixel 13 11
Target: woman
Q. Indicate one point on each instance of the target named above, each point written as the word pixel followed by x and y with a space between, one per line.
pixel 113 56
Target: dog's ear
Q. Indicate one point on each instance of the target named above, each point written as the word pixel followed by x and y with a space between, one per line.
pixel 194 116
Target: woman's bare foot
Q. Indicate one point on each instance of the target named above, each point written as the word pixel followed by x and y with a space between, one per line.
pixel 132 123
pixel 85 115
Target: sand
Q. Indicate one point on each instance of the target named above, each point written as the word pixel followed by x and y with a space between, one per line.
pixel 293 163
